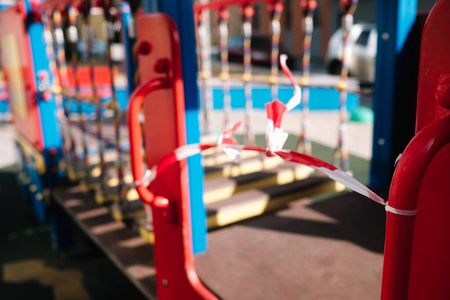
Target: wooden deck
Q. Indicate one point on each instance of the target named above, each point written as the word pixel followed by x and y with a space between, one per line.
pixel 329 249
pixel 122 245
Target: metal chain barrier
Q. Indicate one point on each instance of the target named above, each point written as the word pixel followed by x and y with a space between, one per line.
pixel 98 101
pixel 308 7
pixel 247 14
pixel 275 11
pixel 340 155
pixel 73 40
pixel 56 84
pixel 205 72
pixel 63 73
pixel 223 16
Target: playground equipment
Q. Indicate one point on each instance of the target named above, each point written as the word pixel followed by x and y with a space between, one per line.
pixel 283 174
pixel 4 103
pixel 341 151
pixel 304 143
pixel 65 92
pixel 5 114
pixel 96 169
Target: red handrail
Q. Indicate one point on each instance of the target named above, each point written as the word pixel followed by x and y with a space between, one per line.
pixel 134 127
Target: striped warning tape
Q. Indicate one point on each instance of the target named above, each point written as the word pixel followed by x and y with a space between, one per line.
pixel 275 139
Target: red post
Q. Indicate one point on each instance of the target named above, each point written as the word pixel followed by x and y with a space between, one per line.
pixel 162 98
pixel 404 195
pixel 416 262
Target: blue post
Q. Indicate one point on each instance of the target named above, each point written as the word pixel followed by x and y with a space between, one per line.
pixel 47 109
pixel 182 12
pixel 128 42
pixel 52 144
pixel 395 20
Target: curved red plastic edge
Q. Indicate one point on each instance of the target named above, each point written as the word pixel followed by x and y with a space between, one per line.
pixel 434 50
pixel 404 194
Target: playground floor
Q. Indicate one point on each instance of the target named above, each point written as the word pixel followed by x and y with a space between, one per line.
pixel 313 249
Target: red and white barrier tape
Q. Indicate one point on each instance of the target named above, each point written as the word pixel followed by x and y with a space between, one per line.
pixel 275 139
pixel 401 212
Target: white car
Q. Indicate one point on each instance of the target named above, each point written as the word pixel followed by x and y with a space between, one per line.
pixel 363 51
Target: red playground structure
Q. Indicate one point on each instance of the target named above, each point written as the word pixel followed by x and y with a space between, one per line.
pixel 417 243
pixel 416 259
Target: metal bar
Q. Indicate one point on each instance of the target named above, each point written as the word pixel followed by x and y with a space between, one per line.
pixel 98 105
pixel 308 7
pixel 224 16
pixel 248 13
pixel 73 39
pixel 62 69
pixel 112 66
pixel 48 39
pixel 340 155
pixel 205 74
pixel 275 11
pixel 217 5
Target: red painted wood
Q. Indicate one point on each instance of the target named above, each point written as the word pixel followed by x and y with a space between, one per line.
pixel 12 24
pixel 164 131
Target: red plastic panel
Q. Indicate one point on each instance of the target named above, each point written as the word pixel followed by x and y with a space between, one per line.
pixel 102 79
pixel 164 131
pixel 17 67
pixel 101 75
pixel 157 49
pixel 434 61
pixel 430 262
pixel 404 194
pixel 416 259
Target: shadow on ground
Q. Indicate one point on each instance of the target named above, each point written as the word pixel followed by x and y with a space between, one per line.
pixel 355 219
pixel 31 269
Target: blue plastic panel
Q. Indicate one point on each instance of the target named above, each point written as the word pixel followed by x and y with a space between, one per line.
pixel 394 22
pixel 182 12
